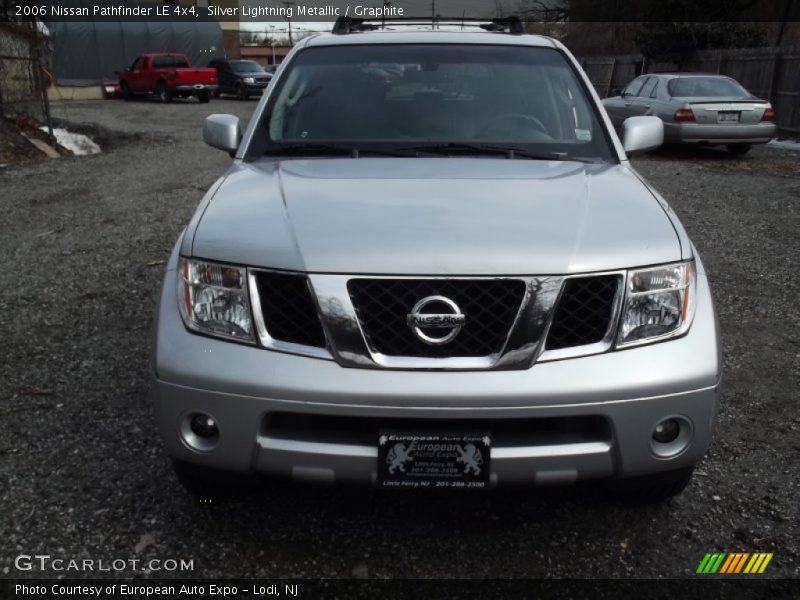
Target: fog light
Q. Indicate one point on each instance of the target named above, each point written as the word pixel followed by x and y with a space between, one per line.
pixel 666 431
pixel 203 426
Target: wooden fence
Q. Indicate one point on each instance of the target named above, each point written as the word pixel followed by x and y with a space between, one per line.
pixel 770 73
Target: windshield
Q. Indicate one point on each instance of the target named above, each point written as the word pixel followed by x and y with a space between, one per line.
pixel 246 66
pixel 705 87
pixel 476 99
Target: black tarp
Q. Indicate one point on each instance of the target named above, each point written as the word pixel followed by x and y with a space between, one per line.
pixel 86 53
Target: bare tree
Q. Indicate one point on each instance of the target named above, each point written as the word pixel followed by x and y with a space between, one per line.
pixel 543 11
pixel 252 38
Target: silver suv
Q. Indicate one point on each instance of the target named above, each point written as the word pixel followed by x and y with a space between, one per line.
pixel 431 265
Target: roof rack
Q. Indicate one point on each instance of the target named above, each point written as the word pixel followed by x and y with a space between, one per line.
pixel 345 25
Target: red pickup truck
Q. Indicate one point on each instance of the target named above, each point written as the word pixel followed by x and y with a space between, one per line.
pixel 167 74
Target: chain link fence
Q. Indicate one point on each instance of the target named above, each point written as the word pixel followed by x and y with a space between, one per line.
pixel 23 80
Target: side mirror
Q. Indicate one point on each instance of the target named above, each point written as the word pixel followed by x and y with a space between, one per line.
pixel 128 69
pixel 640 134
pixel 223 132
pixel 616 91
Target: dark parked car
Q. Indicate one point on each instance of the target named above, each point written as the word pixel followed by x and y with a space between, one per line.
pixel 241 77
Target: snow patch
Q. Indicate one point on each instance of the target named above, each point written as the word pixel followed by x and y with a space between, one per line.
pixel 77 143
pixel 785 144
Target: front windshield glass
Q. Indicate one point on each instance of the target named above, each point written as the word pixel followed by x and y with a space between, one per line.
pixel 246 66
pixel 468 97
pixel 705 87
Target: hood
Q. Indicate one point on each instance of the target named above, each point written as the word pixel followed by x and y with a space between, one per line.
pixel 435 216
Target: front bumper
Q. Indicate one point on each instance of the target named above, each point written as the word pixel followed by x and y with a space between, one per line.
pixel 757 133
pixel 630 391
pixel 255 88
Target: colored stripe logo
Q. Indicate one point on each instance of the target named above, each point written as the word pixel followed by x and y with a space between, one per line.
pixel 734 563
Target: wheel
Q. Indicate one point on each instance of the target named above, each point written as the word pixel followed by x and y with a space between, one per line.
pixel 204 97
pixel 163 93
pixel 241 93
pixel 206 484
pixel 216 93
pixel 652 488
pixel 126 92
pixel 739 149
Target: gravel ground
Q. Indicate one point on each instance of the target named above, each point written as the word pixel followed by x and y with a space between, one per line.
pixel 83 474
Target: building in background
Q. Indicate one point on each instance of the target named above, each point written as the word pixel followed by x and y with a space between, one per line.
pixel 265 55
pixel 85 54
pixel 230 29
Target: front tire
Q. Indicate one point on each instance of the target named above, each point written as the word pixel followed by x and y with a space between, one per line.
pixel 204 97
pixel 127 95
pixel 241 93
pixel 654 488
pixel 739 149
pixel 205 483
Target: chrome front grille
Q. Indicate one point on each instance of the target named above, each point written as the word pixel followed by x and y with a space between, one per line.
pixel 286 309
pixel 369 322
pixel 584 312
pixel 490 307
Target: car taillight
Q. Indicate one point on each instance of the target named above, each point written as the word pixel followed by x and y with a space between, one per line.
pixel 684 114
pixel 769 114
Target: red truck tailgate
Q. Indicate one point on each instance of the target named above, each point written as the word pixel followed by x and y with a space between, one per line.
pixel 190 76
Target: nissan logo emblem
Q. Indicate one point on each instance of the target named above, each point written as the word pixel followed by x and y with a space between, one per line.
pixel 422 322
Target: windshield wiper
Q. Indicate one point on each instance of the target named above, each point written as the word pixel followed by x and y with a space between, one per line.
pixel 510 152
pixel 309 149
pixel 326 149
pixel 316 149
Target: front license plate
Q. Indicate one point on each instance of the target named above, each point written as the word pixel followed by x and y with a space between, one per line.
pixel 434 460
pixel 729 117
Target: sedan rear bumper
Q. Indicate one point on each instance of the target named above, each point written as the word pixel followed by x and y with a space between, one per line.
pixel 759 133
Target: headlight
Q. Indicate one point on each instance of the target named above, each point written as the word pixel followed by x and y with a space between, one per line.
pixel 213 299
pixel 249 80
pixel 659 304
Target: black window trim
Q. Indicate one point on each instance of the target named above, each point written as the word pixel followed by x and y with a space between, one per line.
pixel 640 93
pixel 643 78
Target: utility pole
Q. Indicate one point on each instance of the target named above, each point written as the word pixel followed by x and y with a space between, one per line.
pixel 386 4
pixel 272 41
pixel 433 13
pixel 785 18
pixel 289 4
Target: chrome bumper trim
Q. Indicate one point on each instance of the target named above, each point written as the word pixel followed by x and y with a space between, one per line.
pixel 500 453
